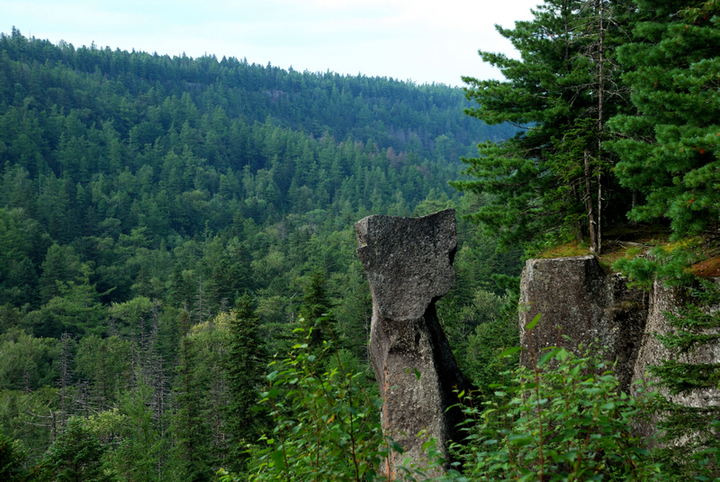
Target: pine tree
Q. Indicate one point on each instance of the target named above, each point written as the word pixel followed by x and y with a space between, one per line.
pixel 669 150
pixel 548 181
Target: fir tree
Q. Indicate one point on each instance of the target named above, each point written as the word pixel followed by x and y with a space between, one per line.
pixel 190 426
pixel 548 181
pixel 318 320
pixel 245 366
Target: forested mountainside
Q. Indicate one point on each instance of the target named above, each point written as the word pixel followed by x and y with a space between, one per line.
pixel 143 196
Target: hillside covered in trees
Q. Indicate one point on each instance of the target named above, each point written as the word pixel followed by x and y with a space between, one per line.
pixel 144 198
pixel 179 291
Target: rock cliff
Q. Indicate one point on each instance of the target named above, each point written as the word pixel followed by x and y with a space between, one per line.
pixel 576 298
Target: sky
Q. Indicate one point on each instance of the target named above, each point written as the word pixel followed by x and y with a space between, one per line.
pixel 425 41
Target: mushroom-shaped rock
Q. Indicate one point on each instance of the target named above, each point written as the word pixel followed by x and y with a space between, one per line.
pixel 408 262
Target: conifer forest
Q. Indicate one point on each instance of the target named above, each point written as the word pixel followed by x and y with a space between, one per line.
pixel 180 298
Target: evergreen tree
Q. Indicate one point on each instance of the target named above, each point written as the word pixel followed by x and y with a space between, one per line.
pixel 245 365
pixel 548 181
pixel 60 265
pixel 690 433
pixel 75 455
pixel 669 150
pixel 11 460
pixel 191 432
pixel 318 320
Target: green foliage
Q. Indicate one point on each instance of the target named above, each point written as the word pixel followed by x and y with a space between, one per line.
pixel 196 450
pixel 245 365
pixel 316 307
pixel 136 457
pixel 497 330
pixel 26 362
pixel 141 196
pixel 104 363
pixel 75 455
pixel 12 458
pixel 326 425
pixel 564 418
pixel 546 182
pixel 668 149
pixel 690 434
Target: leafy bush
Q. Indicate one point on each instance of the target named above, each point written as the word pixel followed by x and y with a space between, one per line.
pixel 326 425
pixel 563 419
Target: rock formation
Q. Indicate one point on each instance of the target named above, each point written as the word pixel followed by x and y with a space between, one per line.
pixel 664 300
pixel 408 262
pixel 576 298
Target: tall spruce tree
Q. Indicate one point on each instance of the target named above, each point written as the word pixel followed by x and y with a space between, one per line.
pixel 190 426
pixel 245 366
pixel 551 179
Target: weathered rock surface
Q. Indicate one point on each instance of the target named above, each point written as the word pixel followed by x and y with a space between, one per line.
pixel 408 262
pixel 665 300
pixel 576 298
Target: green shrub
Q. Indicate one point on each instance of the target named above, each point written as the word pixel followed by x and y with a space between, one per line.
pixel 326 425
pixel 564 419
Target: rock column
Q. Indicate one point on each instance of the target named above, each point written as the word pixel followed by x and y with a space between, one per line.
pixel 408 262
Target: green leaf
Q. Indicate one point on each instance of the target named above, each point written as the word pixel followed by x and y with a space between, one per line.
pixel 278 458
pixel 547 356
pixel 534 322
pixel 510 351
pixel 521 440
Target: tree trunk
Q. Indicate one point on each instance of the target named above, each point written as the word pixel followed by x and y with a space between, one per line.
pixel 589 203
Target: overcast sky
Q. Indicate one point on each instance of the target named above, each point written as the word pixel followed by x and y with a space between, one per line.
pixel 421 40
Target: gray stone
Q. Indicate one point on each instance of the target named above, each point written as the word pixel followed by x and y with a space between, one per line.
pixel 408 262
pixel 576 298
pixel 664 300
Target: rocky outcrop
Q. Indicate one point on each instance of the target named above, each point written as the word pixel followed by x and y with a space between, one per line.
pixel 408 262
pixel 576 298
